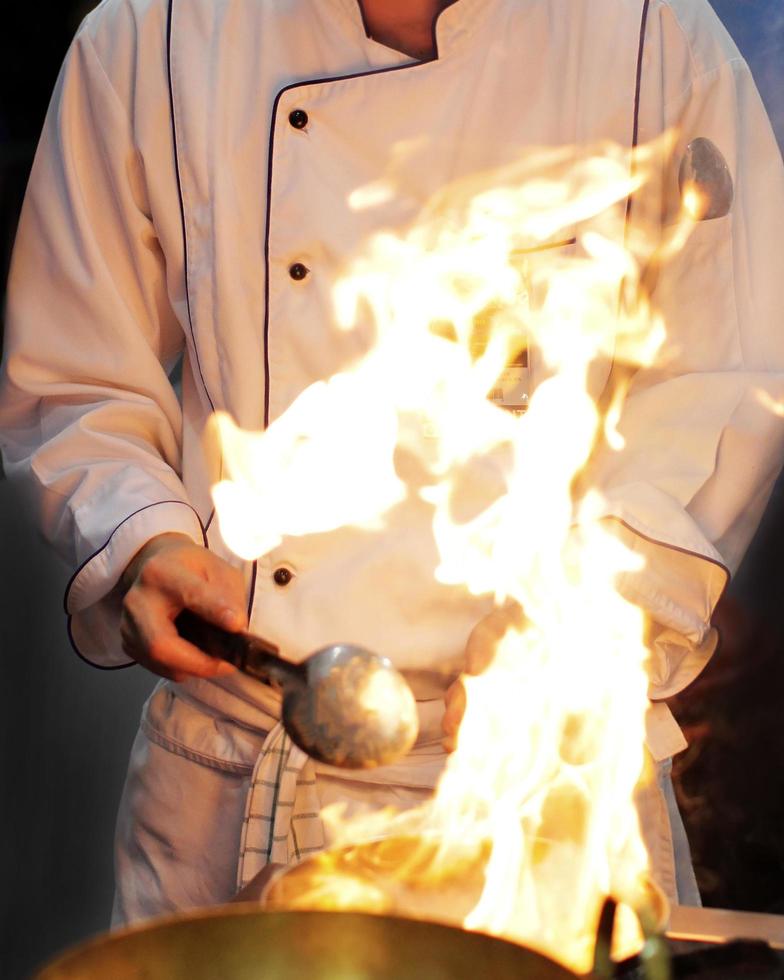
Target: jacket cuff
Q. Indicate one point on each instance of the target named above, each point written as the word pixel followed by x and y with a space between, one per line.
pixel 663 736
pixel 675 662
pixel 678 589
pixel 92 605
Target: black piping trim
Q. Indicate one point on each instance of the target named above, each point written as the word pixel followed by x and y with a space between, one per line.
pixel 637 97
pixel 603 398
pixel 95 554
pixel 169 19
pixel 186 264
pixel 270 151
pixel 106 543
pixel 91 663
pixel 675 547
pixel 638 83
pixel 270 155
pixel 252 590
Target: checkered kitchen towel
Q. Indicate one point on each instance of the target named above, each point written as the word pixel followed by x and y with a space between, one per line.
pixel 282 821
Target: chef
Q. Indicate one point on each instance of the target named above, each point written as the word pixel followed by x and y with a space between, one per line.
pixel 190 199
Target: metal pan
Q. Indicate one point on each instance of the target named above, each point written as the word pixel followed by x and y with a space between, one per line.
pixel 243 943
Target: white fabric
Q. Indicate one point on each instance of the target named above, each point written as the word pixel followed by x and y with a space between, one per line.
pixel 102 301
pixel 140 242
pixel 190 823
pixel 282 818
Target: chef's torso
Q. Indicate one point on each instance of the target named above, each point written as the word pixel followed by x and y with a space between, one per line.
pixel 282 114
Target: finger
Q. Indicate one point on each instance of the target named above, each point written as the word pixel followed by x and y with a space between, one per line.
pixel 449 743
pixel 151 638
pixel 455 706
pixel 136 650
pixel 230 586
pixel 192 579
pixel 481 647
pixel 488 633
pixel 210 599
pixel 171 653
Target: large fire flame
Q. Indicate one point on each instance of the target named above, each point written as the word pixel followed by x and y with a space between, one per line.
pixel 540 787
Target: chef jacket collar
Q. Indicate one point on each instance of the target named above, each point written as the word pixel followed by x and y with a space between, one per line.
pixel 454 25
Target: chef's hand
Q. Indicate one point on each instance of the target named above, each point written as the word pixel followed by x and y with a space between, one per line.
pixel 480 648
pixel 168 574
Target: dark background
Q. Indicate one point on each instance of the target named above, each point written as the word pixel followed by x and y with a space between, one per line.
pixel 65 728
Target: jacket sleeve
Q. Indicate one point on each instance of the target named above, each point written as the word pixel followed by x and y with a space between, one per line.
pixel 702 427
pixel 87 411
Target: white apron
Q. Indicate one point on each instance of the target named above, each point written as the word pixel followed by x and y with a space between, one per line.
pixel 210 800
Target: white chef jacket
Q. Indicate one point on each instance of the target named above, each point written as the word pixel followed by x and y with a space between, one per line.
pixel 173 190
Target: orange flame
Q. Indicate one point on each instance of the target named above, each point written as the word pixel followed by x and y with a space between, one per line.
pixel 551 746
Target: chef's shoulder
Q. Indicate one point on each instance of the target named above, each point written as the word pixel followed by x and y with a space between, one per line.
pixel 114 26
pixel 692 40
pixel 127 39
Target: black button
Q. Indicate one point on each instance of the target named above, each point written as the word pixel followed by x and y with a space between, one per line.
pixel 282 576
pixel 298 271
pixel 298 118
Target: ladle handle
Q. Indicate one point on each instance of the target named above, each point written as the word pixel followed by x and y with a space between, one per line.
pixel 253 656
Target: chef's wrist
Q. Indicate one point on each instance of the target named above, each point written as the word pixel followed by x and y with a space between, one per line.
pixel 167 539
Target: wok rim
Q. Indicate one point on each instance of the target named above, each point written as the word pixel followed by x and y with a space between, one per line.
pixel 70 955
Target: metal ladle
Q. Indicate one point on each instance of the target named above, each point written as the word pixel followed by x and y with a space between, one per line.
pixel 343 705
